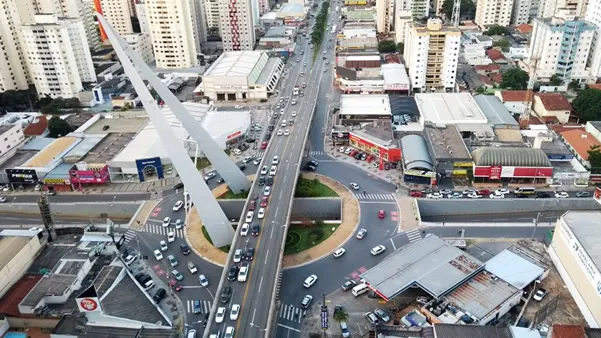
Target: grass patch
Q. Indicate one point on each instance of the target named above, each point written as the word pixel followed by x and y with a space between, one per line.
pixel 303 237
pixel 205 233
pixel 202 163
pixel 312 188
pixel 229 195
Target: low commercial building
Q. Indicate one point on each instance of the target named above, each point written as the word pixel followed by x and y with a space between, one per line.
pixel 359 73
pixel 292 13
pixel 552 108
pixel 357 109
pixel 418 166
pixel 241 75
pixel 575 252
pixel 505 127
pixel 451 157
pixel 513 166
pixel 279 40
pixel 19 249
pixel 377 140
pixel 579 141
pixel 395 78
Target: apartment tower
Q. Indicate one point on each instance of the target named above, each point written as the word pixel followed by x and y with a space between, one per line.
pixel 237 25
pixel 493 12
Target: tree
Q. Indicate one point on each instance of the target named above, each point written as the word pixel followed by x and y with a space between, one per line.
pixel 468 9
pixel 58 127
pixel 496 30
pixel 503 43
pixel 574 85
pixel 340 315
pixel 594 159
pixel 587 104
pixel 400 47
pixel 515 79
pixel 386 46
pixel 555 80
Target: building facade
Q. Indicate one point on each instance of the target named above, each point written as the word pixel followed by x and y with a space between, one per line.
pixel 593 15
pixel 81 9
pixel 562 45
pixel 521 12
pixel 172 33
pixel 58 56
pixel 13 66
pixel 11 135
pixel 431 54
pixel 213 17
pixel 118 14
pixel 493 12
pixel 237 25
pixel 141 44
pixel 384 11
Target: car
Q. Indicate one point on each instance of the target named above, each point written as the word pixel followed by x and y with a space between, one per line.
pixel 435 195
pixel 293 114
pixel 236 151
pixel 339 252
pixel 242 167
pixel 163 246
pixel 255 230
pixel 483 192
pixel 286 132
pixel 264 201
pixel 361 233
pixel 583 194
pixel 172 261
pixel 209 176
pixel 261 181
pixel 234 312
pixel 264 145
pixel 344 329
pixel 416 193
pixel 185 249
pixel 220 315
pixel 469 192
pixel 342 149
pixel 455 195
pixel 502 191
pixel 496 196
pixel 202 279
pixel 348 151
pixel 247 159
pixel 178 205
pixel 261 213
pixel 423 300
pixel 354 185
pixel 226 294
pixel 272 171
pixel 309 281
pixel 269 180
pixel 244 230
pixel 280 132
pixel 561 194
pixel 249 216
pixel 229 332
pixel 381 214
pixel 382 315
pixel 446 191
pixel 178 275
pixel 243 273
pixel 266 191
pixel 313 163
pixel 178 185
pixel 371 318
pixel 378 249
pixel 192 334
pixel 159 295
pixel 171 237
pixel 232 272
pixel 349 284
pixel 166 221
pixel 256 161
pixel 539 295
pixel 252 205
pixel 250 253
pixel 473 195
pixel 264 170
pixel 275 160
pixel 179 224
pixel 306 302
pixel 130 259
pixel 543 194
pixel 237 255
pixel 196 307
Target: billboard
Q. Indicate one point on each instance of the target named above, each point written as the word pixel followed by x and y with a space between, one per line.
pixel 89 176
pixel 150 168
pixel 20 176
pixel 498 172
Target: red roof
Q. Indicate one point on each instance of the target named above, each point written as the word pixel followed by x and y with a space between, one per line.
pixel 9 304
pixel 497 77
pixel 37 127
pixel 514 95
pixel 495 55
pixel 524 28
pixel 568 331
pixel 491 67
pixel 486 80
pixel 554 101
pixel 595 86
pixel 580 140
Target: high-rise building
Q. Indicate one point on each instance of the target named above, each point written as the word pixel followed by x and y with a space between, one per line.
pixel 401 20
pixel 58 56
pixel 237 25
pixel 118 14
pixel 431 54
pixel 493 12
pixel 80 9
pixel 548 8
pixel 562 44
pixel 199 23
pixel 521 12
pixel 172 33
pixel 142 17
pixel 213 18
pixel 593 15
pixel 384 11
pixel 419 8
pixel 13 66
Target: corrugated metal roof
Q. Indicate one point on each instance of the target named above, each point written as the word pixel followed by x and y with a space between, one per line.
pixel 514 269
pixel 470 331
pixel 512 157
pixel 415 153
pixel 494 110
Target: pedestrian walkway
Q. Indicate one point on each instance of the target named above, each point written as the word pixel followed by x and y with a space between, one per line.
pixel 291 313
pixel 375 197
pixel 258 154
pixel 205 306
pixel 414 235
pixel 160 230
pixel 129 235
pixel 317 153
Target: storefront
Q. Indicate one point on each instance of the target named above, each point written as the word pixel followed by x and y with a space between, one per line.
pixel 89 176
pixel 380 152
pixel 57 184
pixel 21 177
pixel 423 177
pixel 514 175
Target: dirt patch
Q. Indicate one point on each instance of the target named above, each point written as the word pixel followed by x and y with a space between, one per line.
pixel 350 220
pixel 199 243
pixel 145 211
pixel 221 189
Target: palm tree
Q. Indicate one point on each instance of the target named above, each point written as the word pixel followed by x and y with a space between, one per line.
pixel 340 316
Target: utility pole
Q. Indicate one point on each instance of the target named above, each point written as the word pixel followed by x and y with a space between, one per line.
pixel 535 220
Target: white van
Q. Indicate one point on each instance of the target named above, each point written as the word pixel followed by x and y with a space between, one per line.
pixel 360 289
pixel 191 333
pixel 148 285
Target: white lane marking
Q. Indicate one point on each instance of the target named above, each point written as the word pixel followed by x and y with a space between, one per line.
pixel 393 246
pixel 266 256
pixel 260 284
pixel 289 327
pixel 253 319
pixel 271 234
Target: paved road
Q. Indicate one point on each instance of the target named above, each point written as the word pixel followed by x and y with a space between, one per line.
pixel 550 216
pixel 73 197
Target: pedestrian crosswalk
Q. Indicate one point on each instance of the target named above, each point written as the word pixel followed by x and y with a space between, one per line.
pixel 129 235
pixel 205 306
pixel 291 313
pixel 160 230
pixel 380 197
pixel 317 152
pixel 414 235
pixel 258 154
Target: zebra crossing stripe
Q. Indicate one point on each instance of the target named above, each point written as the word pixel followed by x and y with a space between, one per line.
pixel 385 197
pixel 414 235
pixel 160 230
pixel 291 313
pixel 205 306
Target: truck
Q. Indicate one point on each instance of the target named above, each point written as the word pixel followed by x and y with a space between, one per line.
pixel 295 90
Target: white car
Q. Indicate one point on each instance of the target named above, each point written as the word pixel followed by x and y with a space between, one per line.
pixel 502 191
pixel 280 132
pixel 275 160
pixel 273 170
pixel 435 195
pixel 220 315
pixel 229 332
pixel 342 149
pixel 244 230
pixel 496 196
pixel 166 221
pixel 293 114
pixel 3 199
pixel 178 205
pixel 234 312
pixel 473 195
pixel 171 237
pixel 261 213
pixel 179 224
pixel 339 252
pixel 204 282
pixel 376 250
pixel 354 185
pixel 158 255
pixel 237 151
pixel 561 194
pixel 192 267
pixel 130 259
pixel 249 216
pixel 209 176
pixel 310 281
pixel 264 170
pixel 237 255
pixel 266 191
pixel 286 132
pixel 163 246
pixel 243 273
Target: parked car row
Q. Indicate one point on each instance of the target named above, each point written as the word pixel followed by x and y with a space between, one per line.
pixel 496 194
pixel 362 156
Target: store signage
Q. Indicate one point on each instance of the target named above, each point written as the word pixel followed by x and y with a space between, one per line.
pixel 22 176
pixel 420 173
pixel 583 259
pixel 396 86
pixel 463 164
pixel 495 172
pixel 324 317
pixel 56 181
pixel 231 136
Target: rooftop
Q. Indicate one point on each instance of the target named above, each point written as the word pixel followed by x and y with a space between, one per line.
pixel 105 279
pixel 586 226
pixel 18 159
pixel 37 127
pixel 524 28
pixel 49 285
pixel 471 331
pixel 495 111
pixel 353 104
pixel 77 120
pixel 60 172
pixel 72 325
pixel 379 132
pixel 401 104
pixel 430 263
pixel 415 153
pixel 9 247
pixel 568 331
pixel 511 157
pixel 514 95
pixel 9 304
pixel 514 269
pixel 289 8
pixel 88 142
pixel 449 108
pixel 37 143
pixel 110 145
pixel 395 74
pixel 446 143
pixel 555 147
pixel 237 63
pixel 495 55
pixel 354 14
pixel 554 101
pixel 580 140
pixel 53 152
pixel 117 124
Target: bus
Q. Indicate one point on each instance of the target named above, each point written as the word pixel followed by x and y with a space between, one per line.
pixel 525 191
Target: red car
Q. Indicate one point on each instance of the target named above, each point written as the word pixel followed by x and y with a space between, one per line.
pixel 415 193
pixel 174 284
pixel 264 201
pixel 484 192
pixel 252 205
pixel 264 145
pixel 381 214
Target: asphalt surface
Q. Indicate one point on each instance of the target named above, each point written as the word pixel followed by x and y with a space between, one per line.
pixel 72 198
pixel 546 217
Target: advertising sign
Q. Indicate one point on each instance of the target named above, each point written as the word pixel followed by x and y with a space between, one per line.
pixel 90 176
pixel 149 167
pixel 396 86
pixel 28 176
pixel 88 300
pixel 324 317
pixel 229 137
pixel 495 172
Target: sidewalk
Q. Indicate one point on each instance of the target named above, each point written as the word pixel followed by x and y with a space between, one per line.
pixel 143 214
pixel 409 213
